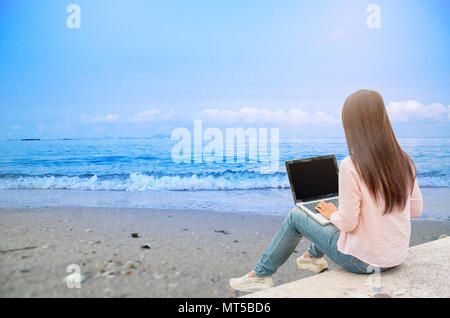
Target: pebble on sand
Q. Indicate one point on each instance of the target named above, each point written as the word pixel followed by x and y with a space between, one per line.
pixel 146 246
pixel 109 274
pixel 130 264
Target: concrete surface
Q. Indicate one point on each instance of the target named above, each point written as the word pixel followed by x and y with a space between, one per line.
pixel 425 273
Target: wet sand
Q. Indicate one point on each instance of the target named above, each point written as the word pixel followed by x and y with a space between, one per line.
pixel 192 254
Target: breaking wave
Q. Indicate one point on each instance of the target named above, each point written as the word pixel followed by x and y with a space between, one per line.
pixel 228 180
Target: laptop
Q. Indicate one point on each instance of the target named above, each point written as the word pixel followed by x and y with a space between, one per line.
pixel 313 180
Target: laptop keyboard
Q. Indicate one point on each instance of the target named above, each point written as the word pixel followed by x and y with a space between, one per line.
pixel 311 206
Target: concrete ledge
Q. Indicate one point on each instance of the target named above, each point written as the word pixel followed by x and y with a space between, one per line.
pixel 425 273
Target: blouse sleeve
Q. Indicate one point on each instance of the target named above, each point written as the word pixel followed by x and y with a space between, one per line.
pixel 346 219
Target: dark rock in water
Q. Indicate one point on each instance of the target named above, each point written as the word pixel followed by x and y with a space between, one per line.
pixel 135 235
pixel 222 231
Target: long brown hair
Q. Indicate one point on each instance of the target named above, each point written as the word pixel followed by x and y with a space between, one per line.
pixel 385 168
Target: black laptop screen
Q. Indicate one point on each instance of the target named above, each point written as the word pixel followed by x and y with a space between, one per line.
pixel 314 178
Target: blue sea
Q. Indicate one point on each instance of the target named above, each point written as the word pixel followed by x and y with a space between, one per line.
pixel 140 172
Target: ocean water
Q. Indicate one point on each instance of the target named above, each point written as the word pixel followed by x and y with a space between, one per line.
pixel 132 172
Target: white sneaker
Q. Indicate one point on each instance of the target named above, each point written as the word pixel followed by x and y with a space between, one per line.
pixel 251 284
pixel 315 264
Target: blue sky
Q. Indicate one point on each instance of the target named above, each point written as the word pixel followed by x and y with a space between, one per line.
pixel 138 68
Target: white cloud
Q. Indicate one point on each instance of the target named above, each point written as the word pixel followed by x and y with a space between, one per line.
pixel 412 110
pixel 101 119
pixel 406 111
pixel 262 115
pixel 145 116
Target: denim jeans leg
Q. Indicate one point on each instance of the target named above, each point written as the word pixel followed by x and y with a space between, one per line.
pixel 323 241
pixel 314 251
pixel 282 246
pixel 321 236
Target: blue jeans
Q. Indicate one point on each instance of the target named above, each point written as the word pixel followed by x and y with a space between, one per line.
pixel 323 241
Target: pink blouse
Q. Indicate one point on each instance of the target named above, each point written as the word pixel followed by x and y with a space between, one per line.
pixel 376 239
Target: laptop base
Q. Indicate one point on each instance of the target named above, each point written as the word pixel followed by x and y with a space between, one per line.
pixel 314 214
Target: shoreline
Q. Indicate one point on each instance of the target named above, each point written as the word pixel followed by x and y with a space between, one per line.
pixel 257 202
pixel 193 253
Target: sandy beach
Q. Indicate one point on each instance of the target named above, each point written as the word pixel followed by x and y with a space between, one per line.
pixel 192 254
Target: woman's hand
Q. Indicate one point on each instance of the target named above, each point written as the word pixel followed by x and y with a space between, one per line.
pixel 326 209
